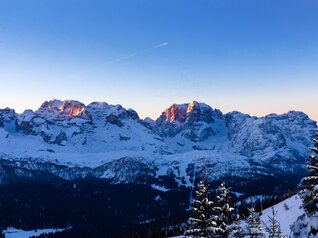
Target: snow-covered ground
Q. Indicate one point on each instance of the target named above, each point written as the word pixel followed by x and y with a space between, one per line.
pixel 287 213
pixel 16 233
pixel 160 188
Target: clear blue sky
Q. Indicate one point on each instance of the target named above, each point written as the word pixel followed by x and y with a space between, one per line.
pixel 255 56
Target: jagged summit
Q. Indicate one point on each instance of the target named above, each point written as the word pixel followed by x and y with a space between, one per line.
pixel 70 107
pixel 62 109
pixel 66 122
pixel 195 120
pixel 75 108
pixel 193 111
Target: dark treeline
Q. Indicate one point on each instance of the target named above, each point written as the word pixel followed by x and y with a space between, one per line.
pixel 90 206
pixel 98 208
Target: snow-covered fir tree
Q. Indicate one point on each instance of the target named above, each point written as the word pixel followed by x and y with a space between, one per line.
pixel 307 224
pixel 255 229
pixel 309 184
pixel 201 223
pixel 273 229
pixel 236 229
pixel 223 212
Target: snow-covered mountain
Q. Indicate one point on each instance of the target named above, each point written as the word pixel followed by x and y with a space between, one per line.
pixel 188 141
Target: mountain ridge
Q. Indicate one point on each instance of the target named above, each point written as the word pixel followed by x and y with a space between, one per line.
pixel 187 142
pixel 60 102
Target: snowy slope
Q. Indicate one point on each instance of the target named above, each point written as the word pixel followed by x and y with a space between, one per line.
pixel 287 213
pixel 16 233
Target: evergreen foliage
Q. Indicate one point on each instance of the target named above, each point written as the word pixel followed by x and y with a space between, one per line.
pixel 273 229
pixel 307 224
pixel 237 230
pixel 309 184
pixel 223 212
pixel 202 223
pixel 255 229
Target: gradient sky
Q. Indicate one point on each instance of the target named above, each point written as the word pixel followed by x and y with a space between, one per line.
pixel 254 56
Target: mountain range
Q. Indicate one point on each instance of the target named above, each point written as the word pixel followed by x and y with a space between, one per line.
pixel 187 142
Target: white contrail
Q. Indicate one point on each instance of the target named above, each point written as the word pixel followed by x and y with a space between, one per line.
pixel 122 58
pixel 163 44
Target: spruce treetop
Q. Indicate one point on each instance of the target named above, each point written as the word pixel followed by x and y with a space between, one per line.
pixel 309 184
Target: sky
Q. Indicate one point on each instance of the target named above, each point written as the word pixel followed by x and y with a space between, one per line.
pixel 257 57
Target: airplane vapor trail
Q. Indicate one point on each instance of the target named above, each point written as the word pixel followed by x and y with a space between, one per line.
pixel 163 44
pixel 122 58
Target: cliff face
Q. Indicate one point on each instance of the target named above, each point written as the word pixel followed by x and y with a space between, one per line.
pixel 193 120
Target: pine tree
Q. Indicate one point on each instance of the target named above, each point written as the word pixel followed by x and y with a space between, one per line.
pixel 309 184
pixel 255 229
pixel 223 212
pixel 237 230
pixel 307 224
pixel 280 234
pixel 273 229
pixel 201 224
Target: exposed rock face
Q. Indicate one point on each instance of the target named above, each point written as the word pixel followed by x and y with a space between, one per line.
pixel 175 113
pixel 195 121
pixel 65 108
pixel 102 108
pixel 201 112
pixel 132 114
pixel 8 119
pixel 72 108
pixel 60 138
pixel 189 113
pixel 3 134
pixel 6 115
pixel 114 120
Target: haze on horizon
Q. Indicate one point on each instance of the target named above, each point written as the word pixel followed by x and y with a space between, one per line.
pixel 257 57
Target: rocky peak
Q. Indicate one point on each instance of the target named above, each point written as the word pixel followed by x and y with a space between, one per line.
pixel 236 118
pixel 177 112
pixel 27 115
pixel 104 110
pixel 194 105
pixel 101 106
pixel 149 121
pixel 7 114
pixel 72 108
pixel 8 119
pixel 51 105
pixel 132 114
pixel 189 113
pixel 201 112
pixel 69 108
pixel 193 118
